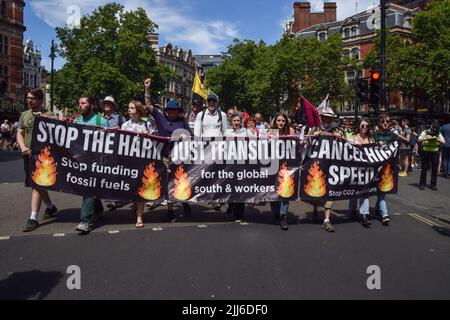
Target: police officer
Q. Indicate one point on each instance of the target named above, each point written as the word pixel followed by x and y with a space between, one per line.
pixel 431 140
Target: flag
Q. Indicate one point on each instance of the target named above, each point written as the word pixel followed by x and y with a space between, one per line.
pixel 311 113
pixel 324 103
pixel 199 88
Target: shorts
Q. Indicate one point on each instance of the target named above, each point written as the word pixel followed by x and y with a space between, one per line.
pixel 405 152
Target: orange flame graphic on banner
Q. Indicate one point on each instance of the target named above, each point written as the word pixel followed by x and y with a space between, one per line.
pixel 45 173
pixel 286 183
pixel 182 189
pixel 387 179
pixel 151 187
pixel 316 186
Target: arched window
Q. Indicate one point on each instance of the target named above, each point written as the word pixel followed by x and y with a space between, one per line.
pixel 354 31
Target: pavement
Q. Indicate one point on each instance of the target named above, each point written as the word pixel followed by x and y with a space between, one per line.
pixel 206 256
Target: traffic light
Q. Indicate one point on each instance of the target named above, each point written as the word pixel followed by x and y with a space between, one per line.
pixel 375 85
pixel 362 91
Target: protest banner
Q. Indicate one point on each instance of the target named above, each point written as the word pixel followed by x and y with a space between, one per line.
pixel 96 162
pixel 337 170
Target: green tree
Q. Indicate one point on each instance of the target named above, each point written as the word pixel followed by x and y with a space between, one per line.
pixel 108 55
pixel 258 77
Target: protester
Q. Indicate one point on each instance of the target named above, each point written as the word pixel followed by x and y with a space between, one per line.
pixel 431 140
pixel 136 124
pixel 261 125
pixel 211 122
pixel 92 208
pixel 280 127
pixel 237 130
pixel 167 122
pixel 414 147
pixel 250 125
pixel 5 131
pixel 361 137
pixel 196 109
pixel 111 115
pixel 35 99
pixel 327 128
pixel 230 113
pixel 383 136
pixel 405 148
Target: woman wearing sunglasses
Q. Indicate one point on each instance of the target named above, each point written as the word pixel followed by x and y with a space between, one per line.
pixel 362 137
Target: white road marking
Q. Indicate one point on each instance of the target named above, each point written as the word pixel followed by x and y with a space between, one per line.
pixel 59 235
pixel 113 231
pixel 202 226
pixel 5 238
pixel 425 220
pixel 157 229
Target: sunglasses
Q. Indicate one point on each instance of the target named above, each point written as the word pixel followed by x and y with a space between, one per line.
pixel 364 126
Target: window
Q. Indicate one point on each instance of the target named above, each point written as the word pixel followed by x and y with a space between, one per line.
pixel 346 33
pixel 3 9
pixel 355 53
pixel 354 31
pixel 322 36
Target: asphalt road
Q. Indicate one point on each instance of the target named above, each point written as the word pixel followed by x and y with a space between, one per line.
pixel 208 257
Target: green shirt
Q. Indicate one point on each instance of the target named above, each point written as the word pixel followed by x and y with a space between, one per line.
pixel 95 120
pixel 26 123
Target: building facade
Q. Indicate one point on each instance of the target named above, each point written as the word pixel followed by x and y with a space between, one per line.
pixel 358 34
pixel 32 67
pixel 411 4
pixel 183 63
pixel 303 16
pixel 207 62
pixel 11 55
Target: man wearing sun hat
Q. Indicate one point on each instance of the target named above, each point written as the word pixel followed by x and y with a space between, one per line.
pixel 327 127
pixel 167 122
pixel 111 115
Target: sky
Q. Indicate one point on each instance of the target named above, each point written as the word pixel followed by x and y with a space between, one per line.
pixel 204 26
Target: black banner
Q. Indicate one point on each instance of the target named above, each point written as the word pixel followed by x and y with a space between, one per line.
pixel 235 170
pixel 337 170
pixel 96 162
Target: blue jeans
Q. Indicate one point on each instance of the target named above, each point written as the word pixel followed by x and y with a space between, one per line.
pixel 280 207
pixel 89 208
pixel 363 205
pixel 381 205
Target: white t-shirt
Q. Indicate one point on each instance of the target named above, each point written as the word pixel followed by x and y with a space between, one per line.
pixel 210 125
pixel 140 127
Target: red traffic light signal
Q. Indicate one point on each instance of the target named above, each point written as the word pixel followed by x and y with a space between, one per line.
pixel 375 75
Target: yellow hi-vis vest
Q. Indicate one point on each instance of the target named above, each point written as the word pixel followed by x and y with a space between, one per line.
pixel 431 145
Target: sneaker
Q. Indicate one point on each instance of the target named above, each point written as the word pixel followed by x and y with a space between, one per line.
pixel 421 187
pixel 386 220
pixel 328 227
pixel 403 174
pixel 283 223
pixel 216 206
pixel 364 221
pixel 49 213
pixel 84 227
pixel 30 225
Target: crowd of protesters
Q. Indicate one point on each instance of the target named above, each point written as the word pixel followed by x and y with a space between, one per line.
pixel 431 145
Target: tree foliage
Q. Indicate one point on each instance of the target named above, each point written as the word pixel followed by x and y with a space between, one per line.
pixel 109 54
pixel 260 77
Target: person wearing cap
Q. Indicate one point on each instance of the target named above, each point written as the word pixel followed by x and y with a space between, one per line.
pixel 431 140
pixel 167 122
pixel 211 122
pixel 110 113
pixel 197 107
pixel 327 127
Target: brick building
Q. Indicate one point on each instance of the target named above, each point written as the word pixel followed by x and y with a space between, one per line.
pixel 11 54
pixel 304 17
pixel 183 63
pixel 358 36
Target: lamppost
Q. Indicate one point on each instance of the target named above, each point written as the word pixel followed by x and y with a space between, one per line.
pixel 52 74
pixel 383 99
